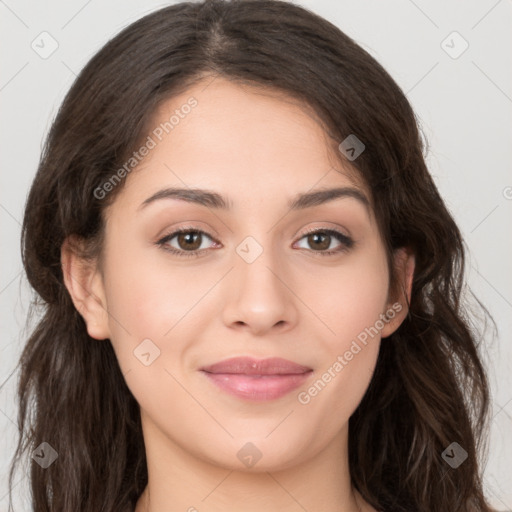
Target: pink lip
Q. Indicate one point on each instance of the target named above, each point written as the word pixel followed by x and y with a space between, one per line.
pixel 259 380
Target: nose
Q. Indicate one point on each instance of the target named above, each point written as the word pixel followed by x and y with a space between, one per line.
pixel 260 297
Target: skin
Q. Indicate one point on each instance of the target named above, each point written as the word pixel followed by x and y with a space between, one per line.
pixel 259 149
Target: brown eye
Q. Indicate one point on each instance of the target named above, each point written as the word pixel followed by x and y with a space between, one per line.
pixel 189 240
pixel 320 240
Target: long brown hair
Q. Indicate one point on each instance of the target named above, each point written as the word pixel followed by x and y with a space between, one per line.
pixel 429 388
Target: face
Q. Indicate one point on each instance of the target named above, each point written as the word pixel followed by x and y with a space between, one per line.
pixel 250 279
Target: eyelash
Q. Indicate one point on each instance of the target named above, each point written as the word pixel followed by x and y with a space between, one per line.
pixel 347 242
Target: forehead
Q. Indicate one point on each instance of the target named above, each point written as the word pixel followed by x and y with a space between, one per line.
pixel 250 142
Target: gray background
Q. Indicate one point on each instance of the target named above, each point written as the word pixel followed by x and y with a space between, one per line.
pixel 463 102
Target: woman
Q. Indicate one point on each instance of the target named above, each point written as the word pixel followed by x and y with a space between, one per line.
pixel 252 287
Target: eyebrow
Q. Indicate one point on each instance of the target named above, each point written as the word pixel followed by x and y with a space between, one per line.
pixel 214 200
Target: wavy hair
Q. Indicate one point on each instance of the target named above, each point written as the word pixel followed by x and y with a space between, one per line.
pixel 429 388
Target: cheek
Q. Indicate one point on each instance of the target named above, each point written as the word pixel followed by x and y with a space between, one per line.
pixel 350 304
pixel 150 298
pixel 349 298
pixel 152 320
pixel 145 291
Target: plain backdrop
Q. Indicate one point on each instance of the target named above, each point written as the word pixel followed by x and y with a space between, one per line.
pixel 451 58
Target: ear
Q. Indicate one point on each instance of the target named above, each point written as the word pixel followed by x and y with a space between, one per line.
pixel 85 286
pixel 398 307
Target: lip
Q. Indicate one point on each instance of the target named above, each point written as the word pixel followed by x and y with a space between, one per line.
pixel 257 379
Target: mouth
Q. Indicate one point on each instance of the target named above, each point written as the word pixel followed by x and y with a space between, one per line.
pixel 257 380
